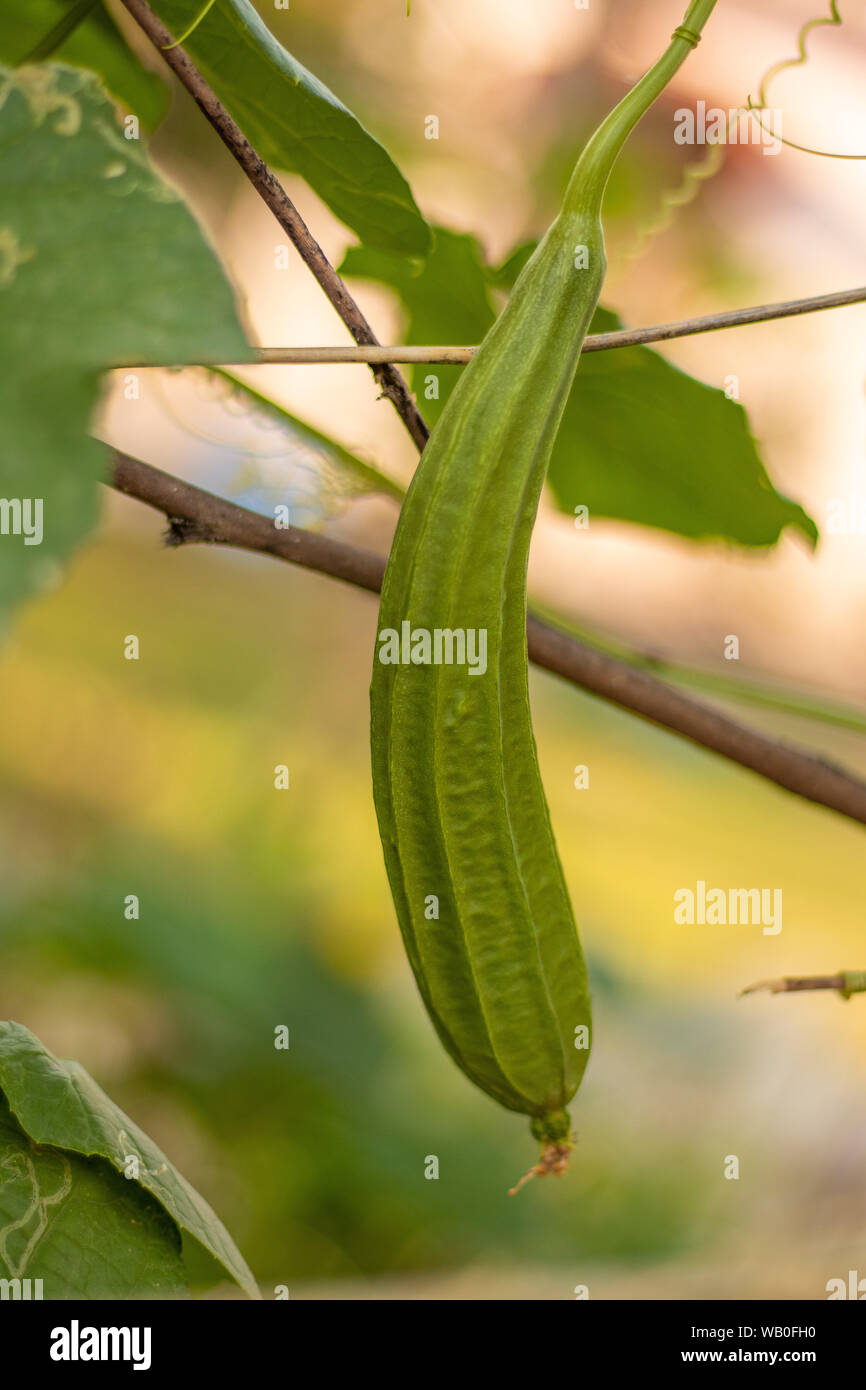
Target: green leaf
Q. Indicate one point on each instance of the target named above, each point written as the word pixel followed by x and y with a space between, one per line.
pixel 296 123
pixel 100 264
pixel 95 44
pixel 78 1226
pixel 640 440
pixel 57 1103
pixel 446 299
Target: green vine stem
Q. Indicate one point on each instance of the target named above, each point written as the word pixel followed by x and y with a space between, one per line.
pixel 593 167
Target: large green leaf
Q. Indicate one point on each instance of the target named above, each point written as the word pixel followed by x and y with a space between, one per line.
pixel 296 123
pixel 640 440
pixel 79 1227
pixel 100 265
pixel 95 43
pixel 57 1103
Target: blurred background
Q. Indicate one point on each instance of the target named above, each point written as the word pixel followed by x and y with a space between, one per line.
pixel 262 907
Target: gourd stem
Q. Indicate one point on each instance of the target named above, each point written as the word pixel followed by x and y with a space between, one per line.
pixel 553 1161
pixel 586 189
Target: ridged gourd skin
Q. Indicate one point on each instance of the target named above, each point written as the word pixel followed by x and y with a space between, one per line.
pixel 459 798
pixel 461 807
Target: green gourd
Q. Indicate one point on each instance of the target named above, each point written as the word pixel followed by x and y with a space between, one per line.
pixel 471 859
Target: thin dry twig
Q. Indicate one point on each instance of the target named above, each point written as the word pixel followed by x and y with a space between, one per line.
pixel 595 342
pixel 846 983
pixel 196 515
pixel 791 983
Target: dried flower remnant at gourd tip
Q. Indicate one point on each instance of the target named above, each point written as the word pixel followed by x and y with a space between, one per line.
pixel 459 799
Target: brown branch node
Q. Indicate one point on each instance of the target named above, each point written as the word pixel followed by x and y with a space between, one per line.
pixel 180 531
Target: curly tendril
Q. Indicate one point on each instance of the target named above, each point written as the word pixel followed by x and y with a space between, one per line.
pixel 704 169
pixel 801 59
pixel 675 198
